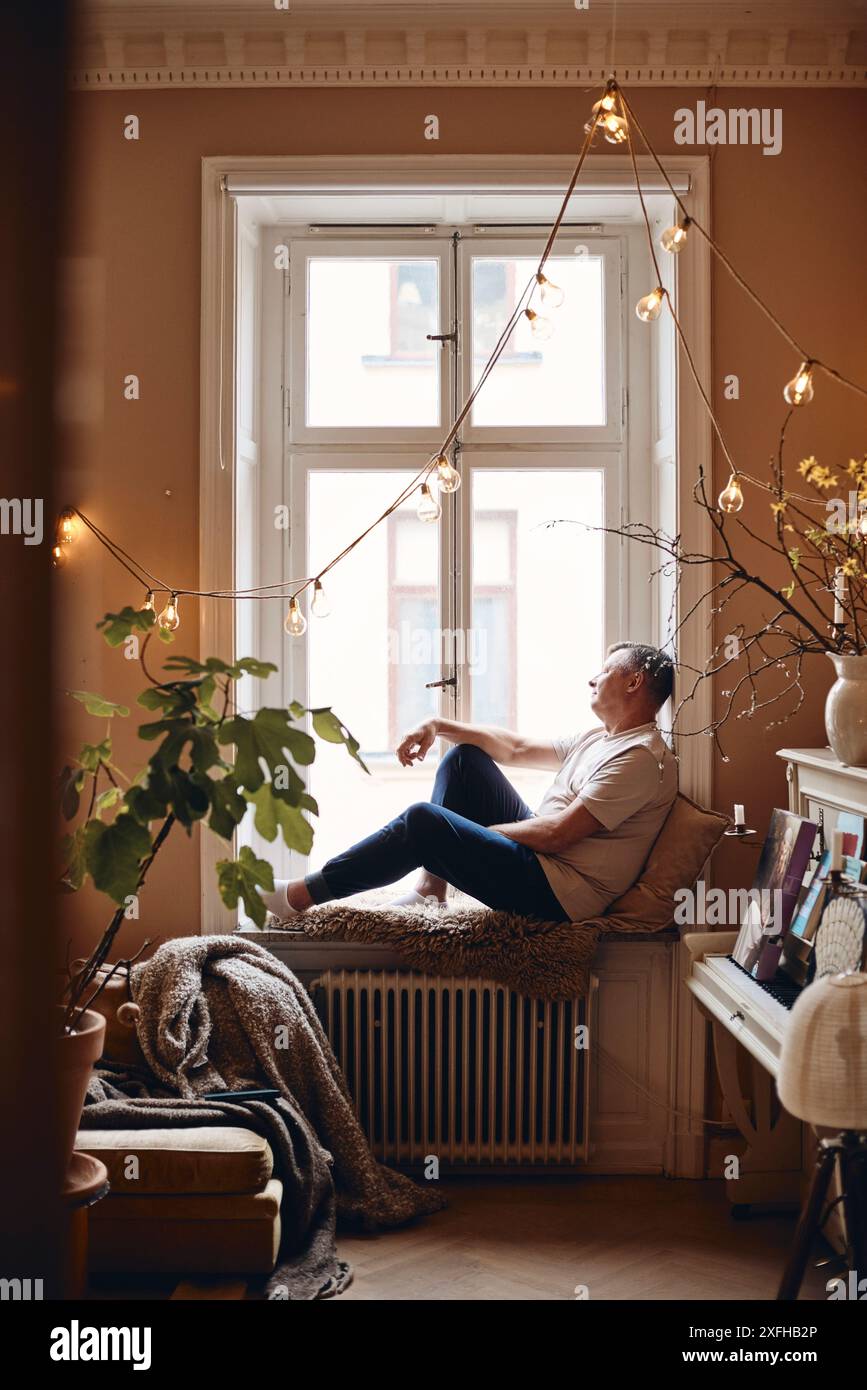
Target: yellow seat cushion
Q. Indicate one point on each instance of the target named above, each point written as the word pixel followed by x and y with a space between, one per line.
pixel 148 1162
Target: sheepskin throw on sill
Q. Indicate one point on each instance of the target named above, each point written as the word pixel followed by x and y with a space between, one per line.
pixel 544 960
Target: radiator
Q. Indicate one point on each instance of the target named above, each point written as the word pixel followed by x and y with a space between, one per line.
pixel 464 1070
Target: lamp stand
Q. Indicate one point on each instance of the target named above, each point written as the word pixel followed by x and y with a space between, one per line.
pixel 845 1154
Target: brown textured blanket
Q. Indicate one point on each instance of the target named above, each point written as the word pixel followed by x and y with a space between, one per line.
pixel 545 960
pixel 222 1013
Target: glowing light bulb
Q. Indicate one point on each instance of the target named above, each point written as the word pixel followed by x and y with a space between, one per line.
pixel 799 391
pixel 66 526
pixel 673 239
pixel 650 307
pixel 552 295
pixel 58 556
pixel 296 623
pixel 731 499
pixel 149 605
pixel 540 327
pixel 319 605
pixel 447 478
pixel 429 508
pixel 615 129
pixel 170 619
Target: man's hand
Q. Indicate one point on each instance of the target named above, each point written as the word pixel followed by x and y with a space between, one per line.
pixel 415 744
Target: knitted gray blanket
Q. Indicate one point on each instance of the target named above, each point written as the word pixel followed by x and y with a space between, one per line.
pixel 222 1013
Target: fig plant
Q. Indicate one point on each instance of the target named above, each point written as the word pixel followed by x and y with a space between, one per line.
pixel 210 764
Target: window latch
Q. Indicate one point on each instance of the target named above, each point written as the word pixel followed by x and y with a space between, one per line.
pixel 442 337
pixel 433 685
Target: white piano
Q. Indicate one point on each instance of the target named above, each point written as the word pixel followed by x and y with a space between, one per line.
pixel 748 1024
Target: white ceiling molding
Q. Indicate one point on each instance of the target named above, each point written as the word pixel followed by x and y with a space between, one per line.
pixel 692 43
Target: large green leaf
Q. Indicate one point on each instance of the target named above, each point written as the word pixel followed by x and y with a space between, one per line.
pixel 333 730
pixel 114 853
pixel 268 738
pixel 248 665
pixel 240 878
pixel 273 814
pixel 204 753
pixel 118 626
pixel 190 795
pixel 228 807
pixel 96 704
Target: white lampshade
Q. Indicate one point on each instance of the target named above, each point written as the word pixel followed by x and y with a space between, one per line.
pixel 823 1061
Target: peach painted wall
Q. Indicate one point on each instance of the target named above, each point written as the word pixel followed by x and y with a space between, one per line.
pixel 793 223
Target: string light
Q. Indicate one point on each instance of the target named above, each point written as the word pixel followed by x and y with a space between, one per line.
pixel 447 478
pixel 149 605
pixel 319 605
pixel 799 391
pixel 170 619
pixel 650 307
pixel 613 127
pixel 552 295
pixel 58 556
pixel 296 623
pixel 616 130
pixel 673 239
pixel 540 327
pixel 731 499
pixel 429 508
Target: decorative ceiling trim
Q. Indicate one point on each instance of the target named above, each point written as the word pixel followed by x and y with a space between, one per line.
pixel 213 47
pixel 460 75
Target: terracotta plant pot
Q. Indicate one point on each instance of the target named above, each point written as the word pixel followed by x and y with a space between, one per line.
pixel 77 1053
pixel 846 710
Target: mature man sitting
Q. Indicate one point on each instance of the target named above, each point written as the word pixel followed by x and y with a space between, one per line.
pixel 583 847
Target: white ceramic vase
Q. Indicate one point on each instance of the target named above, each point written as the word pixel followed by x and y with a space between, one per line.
pixel 846 710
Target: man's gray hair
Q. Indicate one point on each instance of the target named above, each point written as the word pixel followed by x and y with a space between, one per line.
pixel 658 668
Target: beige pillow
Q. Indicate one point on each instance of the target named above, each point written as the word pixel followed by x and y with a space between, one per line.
pixel 675 861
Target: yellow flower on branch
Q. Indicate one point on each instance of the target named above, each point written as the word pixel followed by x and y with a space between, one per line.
pixel 816 473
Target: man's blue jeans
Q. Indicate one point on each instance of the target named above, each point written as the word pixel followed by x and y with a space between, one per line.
pixel 448 836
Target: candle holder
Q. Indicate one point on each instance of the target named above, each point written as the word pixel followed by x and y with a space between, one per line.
pixel 739 832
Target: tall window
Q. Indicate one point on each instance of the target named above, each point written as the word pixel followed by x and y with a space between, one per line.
pixel 494 613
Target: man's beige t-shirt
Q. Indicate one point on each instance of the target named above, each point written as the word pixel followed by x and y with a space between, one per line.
pixel 628 781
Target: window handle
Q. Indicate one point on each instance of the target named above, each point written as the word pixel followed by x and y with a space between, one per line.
pixel 449 680
pixel 441 337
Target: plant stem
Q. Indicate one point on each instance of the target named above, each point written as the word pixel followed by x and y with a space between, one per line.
pixel 98 956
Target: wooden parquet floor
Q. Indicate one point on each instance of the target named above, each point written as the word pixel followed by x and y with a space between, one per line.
pixel 532 1239
pixel 624 1238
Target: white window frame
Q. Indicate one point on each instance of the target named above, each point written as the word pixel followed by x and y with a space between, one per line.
pixel 225 179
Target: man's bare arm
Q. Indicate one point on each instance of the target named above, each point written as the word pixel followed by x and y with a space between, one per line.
pixel 553 834
pixel 514 750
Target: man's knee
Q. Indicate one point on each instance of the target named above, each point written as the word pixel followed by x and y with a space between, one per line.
pixel 420 818
pixel 465 757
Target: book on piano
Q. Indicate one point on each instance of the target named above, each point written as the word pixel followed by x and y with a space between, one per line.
pixel 777 884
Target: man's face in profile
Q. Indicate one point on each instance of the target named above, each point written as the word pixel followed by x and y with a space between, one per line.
pixel 608 688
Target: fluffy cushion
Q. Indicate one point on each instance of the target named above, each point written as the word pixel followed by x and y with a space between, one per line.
pixel 675 861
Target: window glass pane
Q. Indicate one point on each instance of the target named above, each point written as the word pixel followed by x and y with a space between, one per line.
pixel 368 360
pixel 371 657
pixel 557 382
pixel 537 621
